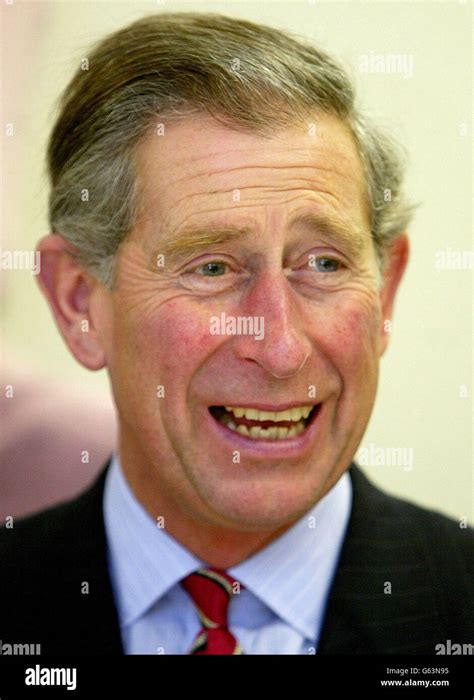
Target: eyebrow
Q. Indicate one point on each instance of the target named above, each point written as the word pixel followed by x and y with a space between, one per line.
pixel 351 236
pixel 192 240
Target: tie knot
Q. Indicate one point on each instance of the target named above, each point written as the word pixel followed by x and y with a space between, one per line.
pixel 211 590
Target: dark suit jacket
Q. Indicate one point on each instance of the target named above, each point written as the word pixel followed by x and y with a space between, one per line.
pixel 425 558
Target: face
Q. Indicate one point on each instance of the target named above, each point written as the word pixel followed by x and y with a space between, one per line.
pixel 237 226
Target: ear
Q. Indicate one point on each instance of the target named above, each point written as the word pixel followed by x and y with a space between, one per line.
pixel 72 294
pixel 397 258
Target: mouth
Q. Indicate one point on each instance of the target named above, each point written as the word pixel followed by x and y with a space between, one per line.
pixel 258 424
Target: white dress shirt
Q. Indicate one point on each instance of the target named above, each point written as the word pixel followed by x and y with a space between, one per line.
pixel 281 608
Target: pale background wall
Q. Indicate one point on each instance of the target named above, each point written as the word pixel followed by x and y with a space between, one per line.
pixel 425 396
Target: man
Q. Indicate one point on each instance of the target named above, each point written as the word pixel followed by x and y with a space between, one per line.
pixel 224 244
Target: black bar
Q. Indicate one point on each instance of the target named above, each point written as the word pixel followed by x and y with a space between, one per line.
pixel 305 677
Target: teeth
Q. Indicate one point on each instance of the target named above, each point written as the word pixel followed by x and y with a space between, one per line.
pixel 292 414
pixel 273 433
pixel 256 432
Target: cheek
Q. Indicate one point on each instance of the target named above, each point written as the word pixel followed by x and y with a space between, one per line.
pixel 352 338
pixel 169 343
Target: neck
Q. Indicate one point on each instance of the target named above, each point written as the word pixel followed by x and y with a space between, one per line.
pixel 217 545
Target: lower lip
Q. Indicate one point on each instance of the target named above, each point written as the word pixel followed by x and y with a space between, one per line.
pixel 290 447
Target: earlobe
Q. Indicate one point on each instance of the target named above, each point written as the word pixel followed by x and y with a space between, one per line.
pixel 397 259
pixel 69 290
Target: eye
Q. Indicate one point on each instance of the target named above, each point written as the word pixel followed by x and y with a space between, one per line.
pixel 324 263
pixel 211 269
pixel 211 276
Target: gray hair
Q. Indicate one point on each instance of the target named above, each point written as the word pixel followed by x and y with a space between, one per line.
pixel 173 65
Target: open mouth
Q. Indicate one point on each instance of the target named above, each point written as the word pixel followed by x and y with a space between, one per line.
pixel 265 425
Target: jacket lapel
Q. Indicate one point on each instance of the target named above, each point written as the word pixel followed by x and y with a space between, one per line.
pixel 86 602
pixel 382 586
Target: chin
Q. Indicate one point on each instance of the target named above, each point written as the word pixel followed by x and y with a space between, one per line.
pixel 263 506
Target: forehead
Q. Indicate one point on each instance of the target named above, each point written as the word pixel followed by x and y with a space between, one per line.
pixel 198 167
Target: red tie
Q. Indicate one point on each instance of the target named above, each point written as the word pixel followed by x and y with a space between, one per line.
pixel 211 590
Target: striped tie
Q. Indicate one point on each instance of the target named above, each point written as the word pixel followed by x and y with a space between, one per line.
pixel 211 590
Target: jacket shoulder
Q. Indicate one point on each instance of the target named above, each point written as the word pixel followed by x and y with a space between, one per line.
pixel 404 577
pixel 444 537
pixel 36 538
pixel 55 588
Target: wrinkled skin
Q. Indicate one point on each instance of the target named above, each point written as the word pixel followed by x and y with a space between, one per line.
pixel 324 326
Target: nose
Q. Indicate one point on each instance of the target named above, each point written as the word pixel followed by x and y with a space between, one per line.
pixel 284 346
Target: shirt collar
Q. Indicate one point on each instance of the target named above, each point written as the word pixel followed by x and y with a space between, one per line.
pixel 145 561
pixel 292 575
